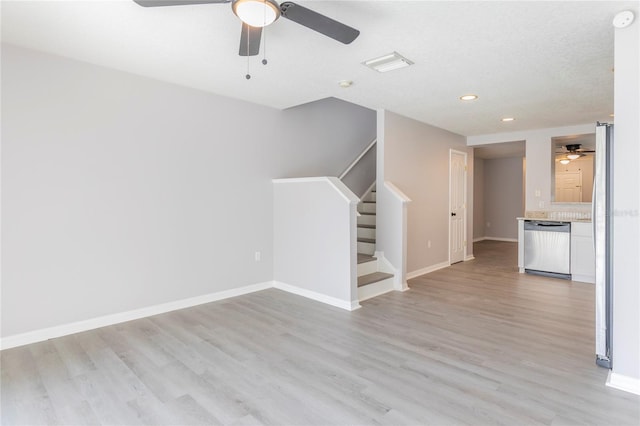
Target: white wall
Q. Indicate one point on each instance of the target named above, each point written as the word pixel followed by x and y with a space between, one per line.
pixel 121 192
pixel 539 153
pixel 415 158
pixel 502 197
pixel 626 209
pixel 315 239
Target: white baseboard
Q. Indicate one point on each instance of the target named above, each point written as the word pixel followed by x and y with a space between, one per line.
pixel 508 240
pixel 589 279
pixel 338 303
pixel 107 320
pixel 469 257
pixel 623 383
pixel 427 270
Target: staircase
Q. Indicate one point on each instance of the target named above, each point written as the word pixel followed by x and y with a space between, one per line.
pixel 372 281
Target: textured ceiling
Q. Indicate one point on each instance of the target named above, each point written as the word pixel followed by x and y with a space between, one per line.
pixel 545 63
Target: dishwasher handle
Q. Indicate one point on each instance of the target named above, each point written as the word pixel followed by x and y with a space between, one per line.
pixel 547 226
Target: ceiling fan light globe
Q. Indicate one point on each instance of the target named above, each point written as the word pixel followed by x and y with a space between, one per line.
pixel 573 156
pixel 256 13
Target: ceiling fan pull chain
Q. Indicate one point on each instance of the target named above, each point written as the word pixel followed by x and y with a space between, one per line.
pixel 264 37
pixel 264 46
pixel 248 76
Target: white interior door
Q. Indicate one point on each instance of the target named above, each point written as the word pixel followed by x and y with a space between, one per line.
pixel 569 187
pixel 457 205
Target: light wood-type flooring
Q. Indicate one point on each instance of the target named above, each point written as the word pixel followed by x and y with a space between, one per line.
pixel 475 343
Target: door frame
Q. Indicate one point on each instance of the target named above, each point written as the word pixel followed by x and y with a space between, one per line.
pixel 466 207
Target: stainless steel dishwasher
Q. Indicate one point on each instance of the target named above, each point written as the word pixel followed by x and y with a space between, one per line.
pixel 547 248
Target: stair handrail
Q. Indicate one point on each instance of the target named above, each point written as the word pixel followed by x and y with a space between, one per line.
pixel 352 165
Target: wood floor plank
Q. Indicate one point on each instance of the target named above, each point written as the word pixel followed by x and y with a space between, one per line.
pixel 474 343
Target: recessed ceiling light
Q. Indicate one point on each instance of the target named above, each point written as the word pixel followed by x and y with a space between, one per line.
pixel 390 62
pixel 345 83
pixel 508 119
pixel 468 97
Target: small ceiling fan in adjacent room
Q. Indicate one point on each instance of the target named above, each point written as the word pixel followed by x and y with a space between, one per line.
pixel 256 14
pixel 574 151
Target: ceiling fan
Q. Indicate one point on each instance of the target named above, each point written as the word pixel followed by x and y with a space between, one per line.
pixel 574 151
pixel 256 14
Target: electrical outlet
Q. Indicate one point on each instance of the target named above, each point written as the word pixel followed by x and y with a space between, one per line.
pixel 488 224
pixel 429 244
pixel 257 256
pixel 537 192
pixel 541 204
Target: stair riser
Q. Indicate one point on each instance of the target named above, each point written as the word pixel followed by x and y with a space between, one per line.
pixel 375 289
pixel 366 248
pixel 367 207
pixel 366 220
pixel 367 268
pixel 369 197
pixel 366 233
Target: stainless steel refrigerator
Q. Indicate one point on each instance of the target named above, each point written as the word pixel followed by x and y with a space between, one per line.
pixel 602 232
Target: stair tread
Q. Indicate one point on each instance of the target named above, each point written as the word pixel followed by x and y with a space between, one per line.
pixel 367 240
pixel 366 226
pixel 367 213
pixel 364 258
pixel 373 278
pixel 368 202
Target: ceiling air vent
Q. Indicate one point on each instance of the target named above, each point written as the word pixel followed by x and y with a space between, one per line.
pixel 390 62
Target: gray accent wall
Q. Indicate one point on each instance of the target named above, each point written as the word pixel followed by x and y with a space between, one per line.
pixel 416 160
pixel 500 181
pixel 478 198
pixel 121 192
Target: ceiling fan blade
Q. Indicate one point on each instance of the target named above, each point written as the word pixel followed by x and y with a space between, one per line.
pixel 154 3
pixel 317 22
pixel 250 40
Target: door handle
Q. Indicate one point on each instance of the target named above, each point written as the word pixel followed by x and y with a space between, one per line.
pixel 453 214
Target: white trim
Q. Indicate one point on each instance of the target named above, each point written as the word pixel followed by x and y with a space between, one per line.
pixel 469 257
pixel 338 303
pixel 372 290
pixel 466 208
pixel 588 279
pixel 521 135
pixel 477 240
pixel 427 270
pixel 396 192
pixel 385 266
pixel 337 184
pixel 362 154
pixel 107 320
pixel 507 240
pixel 623 383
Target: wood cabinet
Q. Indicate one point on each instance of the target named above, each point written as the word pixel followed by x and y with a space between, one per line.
pixel 583 259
